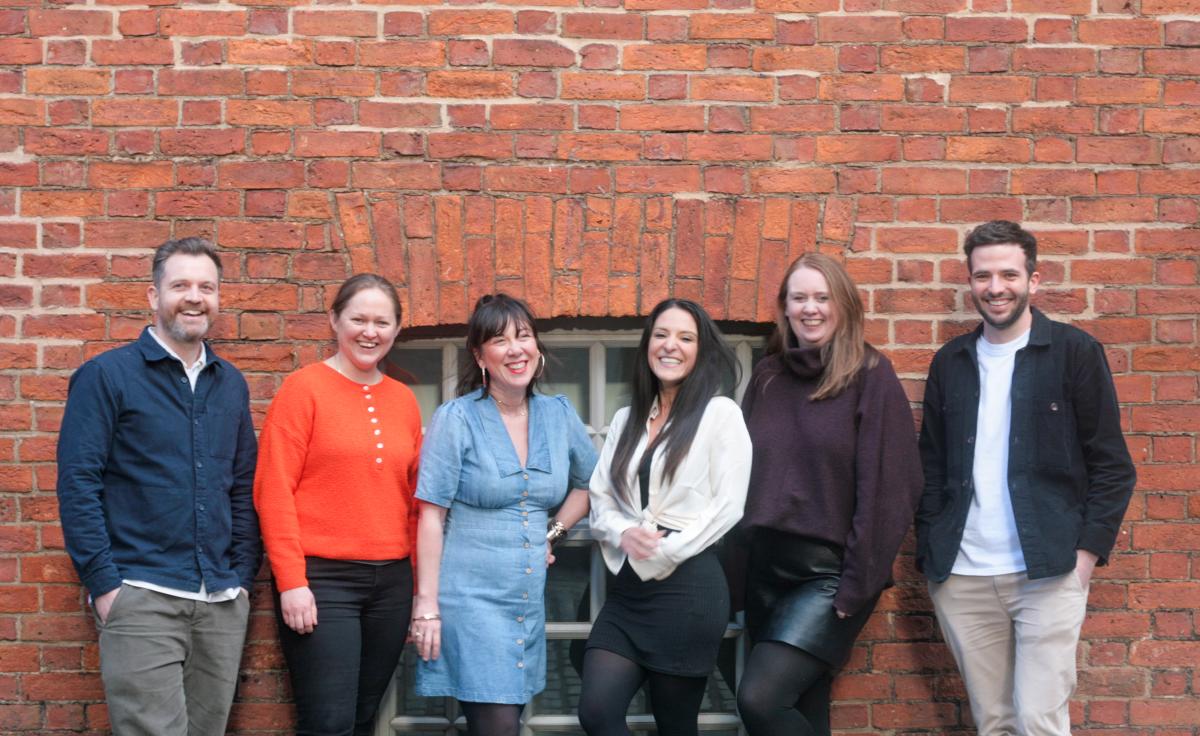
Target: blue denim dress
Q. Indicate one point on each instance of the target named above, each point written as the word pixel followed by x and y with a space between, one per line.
pixel 493 572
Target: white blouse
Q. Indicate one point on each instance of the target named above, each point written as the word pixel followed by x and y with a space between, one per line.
pixel 703 501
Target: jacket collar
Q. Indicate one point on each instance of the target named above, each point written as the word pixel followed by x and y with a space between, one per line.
pixel 152 352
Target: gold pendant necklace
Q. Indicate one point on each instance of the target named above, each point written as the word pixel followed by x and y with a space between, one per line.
pixel 521 411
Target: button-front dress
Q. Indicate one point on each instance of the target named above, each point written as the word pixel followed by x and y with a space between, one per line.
pixel 493 571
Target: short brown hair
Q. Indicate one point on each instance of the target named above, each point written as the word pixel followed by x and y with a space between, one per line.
pixel 183 246
pixel 1003 232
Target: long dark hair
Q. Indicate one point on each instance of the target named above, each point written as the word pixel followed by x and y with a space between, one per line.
pixel 716 371
pixel 492 315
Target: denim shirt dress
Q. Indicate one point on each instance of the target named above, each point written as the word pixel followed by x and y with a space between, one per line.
pixel 493 571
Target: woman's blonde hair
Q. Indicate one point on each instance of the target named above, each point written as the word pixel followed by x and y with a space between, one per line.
pixel 847 352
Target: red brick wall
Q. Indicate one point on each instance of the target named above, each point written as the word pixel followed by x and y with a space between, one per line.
pixel 596 157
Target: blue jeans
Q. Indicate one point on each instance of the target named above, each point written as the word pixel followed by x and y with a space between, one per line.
pixel 341 670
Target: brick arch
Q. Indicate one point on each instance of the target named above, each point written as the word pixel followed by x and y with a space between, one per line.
pixel 591 255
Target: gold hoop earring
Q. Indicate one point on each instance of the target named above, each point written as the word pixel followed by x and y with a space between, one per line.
pixel 483 371
pixel 541 365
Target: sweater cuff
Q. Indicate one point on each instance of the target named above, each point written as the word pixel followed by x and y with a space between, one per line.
pixel 289 577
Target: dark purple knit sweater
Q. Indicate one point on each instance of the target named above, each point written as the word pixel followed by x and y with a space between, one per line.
pixel 844 469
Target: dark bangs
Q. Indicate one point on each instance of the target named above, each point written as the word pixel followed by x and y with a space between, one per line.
pixel 492 316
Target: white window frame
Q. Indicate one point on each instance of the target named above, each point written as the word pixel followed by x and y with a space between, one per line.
pixel 533 723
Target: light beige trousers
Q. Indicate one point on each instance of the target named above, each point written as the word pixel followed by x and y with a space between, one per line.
pixel 1014 640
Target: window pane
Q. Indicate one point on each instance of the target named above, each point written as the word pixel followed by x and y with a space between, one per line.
pixel 757 353
pixel 719 696
pixel 567 583
pixel 561 696
pixel 567 374
pixel 618 379
pixel 421 370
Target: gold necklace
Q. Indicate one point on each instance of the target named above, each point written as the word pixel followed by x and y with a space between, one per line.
pixel 521 411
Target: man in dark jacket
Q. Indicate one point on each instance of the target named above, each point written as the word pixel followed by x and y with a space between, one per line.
pixel 155 475
pixel 1027 478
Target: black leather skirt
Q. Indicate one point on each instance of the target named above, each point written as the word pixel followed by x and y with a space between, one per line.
pixel 789 596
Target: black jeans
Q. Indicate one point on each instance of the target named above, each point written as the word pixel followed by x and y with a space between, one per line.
pixel 340 671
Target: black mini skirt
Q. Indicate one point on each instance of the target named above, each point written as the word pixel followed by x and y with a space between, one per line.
pixel 790 586
pixel 673 626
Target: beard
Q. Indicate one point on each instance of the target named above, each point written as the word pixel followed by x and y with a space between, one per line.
pixel 1020 305
pixel 182 332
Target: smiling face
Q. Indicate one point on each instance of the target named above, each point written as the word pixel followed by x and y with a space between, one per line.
pixel 365 328
pixel 185 300
pixel 1000 288
pixel 809 308
pixel 510 359
pixel 674 344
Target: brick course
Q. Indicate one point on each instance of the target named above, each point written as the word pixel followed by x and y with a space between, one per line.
pixel 594 157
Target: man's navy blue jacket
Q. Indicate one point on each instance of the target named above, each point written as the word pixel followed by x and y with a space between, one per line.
pixel 1070 476
pixel 155 481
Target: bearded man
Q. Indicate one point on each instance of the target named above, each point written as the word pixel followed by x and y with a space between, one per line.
pixel 156 463
pixel 1027 478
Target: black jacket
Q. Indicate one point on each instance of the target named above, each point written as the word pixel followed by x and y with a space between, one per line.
pixel 1069 472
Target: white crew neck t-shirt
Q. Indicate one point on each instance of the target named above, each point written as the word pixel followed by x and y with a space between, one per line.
pixel 990 545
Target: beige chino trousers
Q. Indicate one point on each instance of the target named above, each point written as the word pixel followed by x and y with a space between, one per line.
pixel 1014 640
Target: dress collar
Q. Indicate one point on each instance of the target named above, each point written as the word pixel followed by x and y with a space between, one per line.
pixel 538 456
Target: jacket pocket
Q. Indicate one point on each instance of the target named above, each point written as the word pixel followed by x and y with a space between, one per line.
pixel 1054 428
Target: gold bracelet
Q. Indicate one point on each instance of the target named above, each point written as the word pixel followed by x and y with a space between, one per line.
pixel 428 617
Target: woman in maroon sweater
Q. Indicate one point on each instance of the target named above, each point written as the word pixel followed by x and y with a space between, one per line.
pixel 834 485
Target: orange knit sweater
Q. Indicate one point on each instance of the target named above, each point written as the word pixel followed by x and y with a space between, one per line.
pixel 337 468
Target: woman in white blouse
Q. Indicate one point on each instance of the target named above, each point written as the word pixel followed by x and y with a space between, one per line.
pixel 670 482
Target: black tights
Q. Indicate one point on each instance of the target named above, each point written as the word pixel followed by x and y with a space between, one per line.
pixel 609 683
pixel 492 719
pixel 784 692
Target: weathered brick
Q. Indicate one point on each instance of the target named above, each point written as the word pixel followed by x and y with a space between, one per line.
pixel 733 88
pixel 731 26
pixel 594 159
pixel 70 23
pixel 68 81
pixel 177 22
pixel 469 84
pixel 590 86
pixel 470 22
pixel 520 52
pixel 270 52
pixel 352 23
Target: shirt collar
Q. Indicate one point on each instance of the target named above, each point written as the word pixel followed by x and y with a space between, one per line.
pixel 153 348
pixel 200 361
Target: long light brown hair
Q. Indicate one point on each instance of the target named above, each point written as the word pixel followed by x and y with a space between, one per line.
pixel 847 352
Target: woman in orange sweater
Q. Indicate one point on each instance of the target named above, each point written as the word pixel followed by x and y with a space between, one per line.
pixel 337 467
